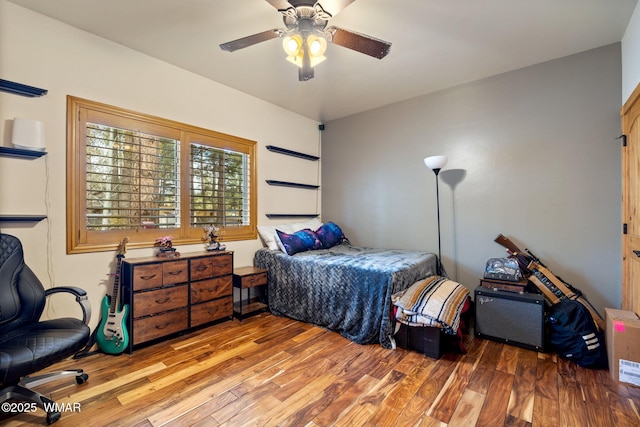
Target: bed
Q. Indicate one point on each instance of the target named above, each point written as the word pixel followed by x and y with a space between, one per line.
pixel 344 288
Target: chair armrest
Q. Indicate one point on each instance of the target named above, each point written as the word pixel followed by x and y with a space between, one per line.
pixel 81 298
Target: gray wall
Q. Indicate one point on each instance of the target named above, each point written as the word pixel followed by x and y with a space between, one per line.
pixel 532 155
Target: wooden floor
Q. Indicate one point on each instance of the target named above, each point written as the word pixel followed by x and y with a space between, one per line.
pixel 268 370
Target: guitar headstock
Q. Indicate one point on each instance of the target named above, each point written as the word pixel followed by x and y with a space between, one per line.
pixel 122 247
pixel 508 244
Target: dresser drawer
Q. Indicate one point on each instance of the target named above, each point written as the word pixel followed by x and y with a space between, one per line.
pixel 147 276
pixel 205 268
pixel 201 268
pixel 209 289
pixel 222 265
pixel 158 326
pixel 175 272
pixel 157 301
pixel 210 311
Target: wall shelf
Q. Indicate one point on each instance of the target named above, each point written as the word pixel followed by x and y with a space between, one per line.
pixel 292 215
pixel 21 153
pixel 31 92
pixel 291 184
pixel 22 218
pixel 297 154
pixel 291 153
pixel 20 89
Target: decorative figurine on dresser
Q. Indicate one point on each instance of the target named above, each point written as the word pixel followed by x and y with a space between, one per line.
pixel 211 236
pixel 171 295
pixel 164 248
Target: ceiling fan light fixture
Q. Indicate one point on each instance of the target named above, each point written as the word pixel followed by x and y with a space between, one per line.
pixel 306 34
pixel 314 60
pixel 293 47
pixel 317 46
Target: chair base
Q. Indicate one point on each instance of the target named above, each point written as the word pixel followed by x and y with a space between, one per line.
pixel 22 391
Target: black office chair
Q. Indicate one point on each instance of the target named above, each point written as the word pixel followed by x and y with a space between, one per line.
pixel 28 345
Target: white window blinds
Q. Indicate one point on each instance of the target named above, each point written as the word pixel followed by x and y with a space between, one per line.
pixel 132 179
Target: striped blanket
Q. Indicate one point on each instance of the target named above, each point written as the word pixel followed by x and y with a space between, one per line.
pixel 435 301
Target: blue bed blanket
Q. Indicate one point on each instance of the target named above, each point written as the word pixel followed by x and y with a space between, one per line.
pixel 345 288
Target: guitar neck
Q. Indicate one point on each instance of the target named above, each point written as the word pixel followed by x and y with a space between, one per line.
pixel 513 250
pixel 507 243
pixel 551 287
pixel 113 306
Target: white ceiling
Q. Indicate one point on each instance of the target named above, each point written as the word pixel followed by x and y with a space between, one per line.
pixel 436 44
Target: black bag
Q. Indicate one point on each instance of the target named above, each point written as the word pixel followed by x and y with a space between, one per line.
pixel 575 336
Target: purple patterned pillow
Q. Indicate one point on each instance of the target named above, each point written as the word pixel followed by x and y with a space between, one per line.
pixel 300 241
pixel 330 235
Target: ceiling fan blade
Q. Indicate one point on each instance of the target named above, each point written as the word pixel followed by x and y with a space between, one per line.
pixel 359 42
pixel 280 4
pixel 250 40
pixel 333 7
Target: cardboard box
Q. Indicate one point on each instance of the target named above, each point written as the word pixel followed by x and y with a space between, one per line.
pixel 623 345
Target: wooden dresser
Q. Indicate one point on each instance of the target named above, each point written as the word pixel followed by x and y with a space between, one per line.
pixel 168 296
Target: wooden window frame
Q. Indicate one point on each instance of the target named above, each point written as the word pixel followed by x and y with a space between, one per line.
pixel 81 240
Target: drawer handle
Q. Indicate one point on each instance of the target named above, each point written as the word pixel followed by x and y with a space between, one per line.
pixel 162 301
pixel 221 265
pixel 201 267
pixel 175 273
pixel 148 277
pixel 637 252
pixel 162 326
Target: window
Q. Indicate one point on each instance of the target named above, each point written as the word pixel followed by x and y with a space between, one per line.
pixel 143 177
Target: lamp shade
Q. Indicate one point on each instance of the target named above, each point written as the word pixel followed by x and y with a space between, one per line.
pixel 435 162
pixel 28 134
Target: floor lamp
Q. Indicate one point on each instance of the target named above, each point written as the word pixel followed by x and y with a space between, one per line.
pixel 435 163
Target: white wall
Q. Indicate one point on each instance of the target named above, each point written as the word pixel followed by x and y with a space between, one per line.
pixel 631 55
pixel 42 52
pixel 532 155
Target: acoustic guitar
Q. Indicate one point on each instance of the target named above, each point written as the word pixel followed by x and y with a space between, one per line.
pixel 112 335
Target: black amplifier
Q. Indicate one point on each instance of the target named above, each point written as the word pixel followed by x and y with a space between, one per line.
pixel 511 318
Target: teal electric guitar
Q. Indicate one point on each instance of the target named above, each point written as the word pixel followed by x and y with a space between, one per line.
pixel 112 336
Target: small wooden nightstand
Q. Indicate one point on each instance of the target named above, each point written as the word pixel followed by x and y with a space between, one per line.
pixel 247 278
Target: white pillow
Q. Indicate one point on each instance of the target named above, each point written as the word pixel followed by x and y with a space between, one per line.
pixel 268 232
pixel 268 235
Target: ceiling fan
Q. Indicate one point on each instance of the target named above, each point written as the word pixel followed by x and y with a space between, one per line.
pixel 306 34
